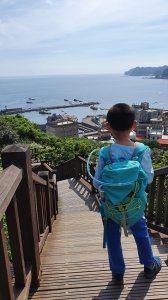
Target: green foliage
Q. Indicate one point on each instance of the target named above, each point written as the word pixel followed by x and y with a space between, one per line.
pixel 152 144
pixel 146 71
pixel 157 158
pixel 19 129
pixel 8 135
pixel 7 237
pixel 49 147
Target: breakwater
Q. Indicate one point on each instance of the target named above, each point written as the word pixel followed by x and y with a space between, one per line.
pixel 20 110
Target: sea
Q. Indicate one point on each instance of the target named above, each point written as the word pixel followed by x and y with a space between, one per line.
pixel 107 89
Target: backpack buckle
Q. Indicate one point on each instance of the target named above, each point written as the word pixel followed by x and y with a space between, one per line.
pixel 123 221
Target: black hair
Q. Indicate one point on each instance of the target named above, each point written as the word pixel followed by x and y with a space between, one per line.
pixel 121 117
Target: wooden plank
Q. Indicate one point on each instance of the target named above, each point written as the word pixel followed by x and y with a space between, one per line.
pixel 43 238
pixel 75 266
pixel 23 294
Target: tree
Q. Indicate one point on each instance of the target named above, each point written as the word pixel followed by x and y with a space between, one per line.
pixel 7 134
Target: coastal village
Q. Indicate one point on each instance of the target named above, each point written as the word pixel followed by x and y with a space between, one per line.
pixel 83 208
pixel 152 124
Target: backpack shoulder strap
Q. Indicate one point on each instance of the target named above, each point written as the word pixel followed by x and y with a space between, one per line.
pixel 135 151
pixel 106 155
pixel 139 151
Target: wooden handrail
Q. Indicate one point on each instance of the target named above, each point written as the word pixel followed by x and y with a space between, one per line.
pixel 21 191
pixel 161 171
pixel 157 209
pixel 38 179
pixel 30 203
pixel 9 182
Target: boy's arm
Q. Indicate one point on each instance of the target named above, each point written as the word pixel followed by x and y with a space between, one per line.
pixel 146 164
pixel 98 172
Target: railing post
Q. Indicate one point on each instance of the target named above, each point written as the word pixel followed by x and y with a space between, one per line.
pixel 45 176
pixel 159 203
pixel 12 219
pixel 6 290
pixel 19 155
pixel 151 201
pixel 92 170
pixel 77 168
pixel 54 195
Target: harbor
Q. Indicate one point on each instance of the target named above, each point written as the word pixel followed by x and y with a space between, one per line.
pixel 20 110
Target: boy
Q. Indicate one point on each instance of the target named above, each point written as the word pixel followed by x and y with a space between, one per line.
pixel 120 122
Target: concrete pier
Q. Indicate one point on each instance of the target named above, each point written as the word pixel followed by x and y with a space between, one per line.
pixel 14 111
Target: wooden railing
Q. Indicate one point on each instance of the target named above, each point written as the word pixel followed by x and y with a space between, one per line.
pixel 75 168
pixel 157 209
pixel 84 173
pixel 29 203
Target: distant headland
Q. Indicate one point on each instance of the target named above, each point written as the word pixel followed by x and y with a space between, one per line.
pixel 157 72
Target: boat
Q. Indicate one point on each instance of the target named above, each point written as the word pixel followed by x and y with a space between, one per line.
pixel 29 102
pixel 71 102
pixel 31 99
pixel 44 112
pixel 94 107
pixel 66 100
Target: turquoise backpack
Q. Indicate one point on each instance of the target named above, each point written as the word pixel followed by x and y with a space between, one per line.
pixel 122 187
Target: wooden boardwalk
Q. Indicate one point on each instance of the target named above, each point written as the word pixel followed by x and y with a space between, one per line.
pixel 74 264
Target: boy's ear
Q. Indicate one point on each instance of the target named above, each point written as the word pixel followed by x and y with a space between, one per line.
pixel 107 126
pixel 134 125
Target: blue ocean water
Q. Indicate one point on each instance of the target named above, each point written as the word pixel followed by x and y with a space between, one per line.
pixel 106 89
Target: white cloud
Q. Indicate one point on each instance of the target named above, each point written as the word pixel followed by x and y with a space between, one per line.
pixel 49 2
pixel 66 17
pixel 90 31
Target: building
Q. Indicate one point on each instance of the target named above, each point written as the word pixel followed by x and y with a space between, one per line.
pixel 141 130
pixel 155 129
pixel 154 134
pixel 104 134
pixel 143 105
pixel 165 121
pixel 64 126
pixel 144 114
pixel 163 141
pixel 149 122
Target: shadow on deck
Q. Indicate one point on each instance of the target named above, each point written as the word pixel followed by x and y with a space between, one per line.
pixel 74 264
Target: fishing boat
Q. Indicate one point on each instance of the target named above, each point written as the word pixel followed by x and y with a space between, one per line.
pixel 44 112
pixel 94 107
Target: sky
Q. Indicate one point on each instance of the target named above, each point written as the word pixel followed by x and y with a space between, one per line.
pixel 47 37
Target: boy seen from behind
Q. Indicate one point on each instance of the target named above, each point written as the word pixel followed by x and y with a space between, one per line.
pixel 120 122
